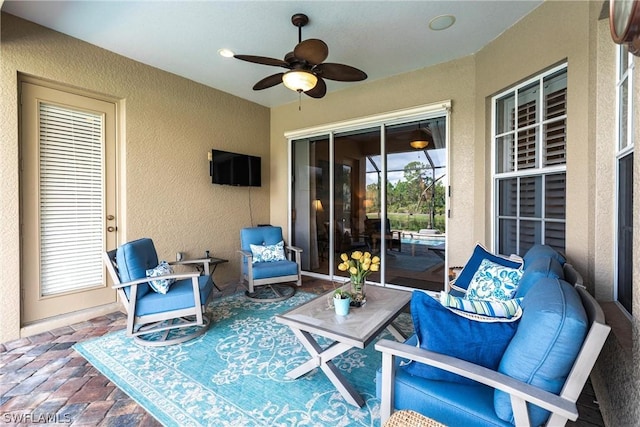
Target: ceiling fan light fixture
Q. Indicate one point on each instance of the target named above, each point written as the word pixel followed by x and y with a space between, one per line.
pixel 226 53
pixel 299 80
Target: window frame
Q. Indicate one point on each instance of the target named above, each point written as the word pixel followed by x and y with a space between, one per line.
pixel 624 77
pixel 539 169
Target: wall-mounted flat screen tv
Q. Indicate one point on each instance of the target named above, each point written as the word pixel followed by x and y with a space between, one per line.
pixel 241 170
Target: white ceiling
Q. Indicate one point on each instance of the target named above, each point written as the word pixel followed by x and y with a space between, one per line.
pixel 382 38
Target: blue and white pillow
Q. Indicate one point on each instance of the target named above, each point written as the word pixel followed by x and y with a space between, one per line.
pixel 493 282
pixel 268 253
pixel 507 309
pixel 161 285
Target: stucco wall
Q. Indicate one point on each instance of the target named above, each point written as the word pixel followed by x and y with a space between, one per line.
pixel 168 126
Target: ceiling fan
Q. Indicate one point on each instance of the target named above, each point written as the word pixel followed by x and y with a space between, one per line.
pixel 307 70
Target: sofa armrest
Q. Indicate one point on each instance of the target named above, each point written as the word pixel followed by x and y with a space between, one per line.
pixel 520 392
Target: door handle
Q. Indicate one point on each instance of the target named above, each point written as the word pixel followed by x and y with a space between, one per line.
pixel 111 229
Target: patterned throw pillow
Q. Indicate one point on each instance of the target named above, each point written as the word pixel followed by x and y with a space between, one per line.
pixel 268 253
pixel 493 282
pixel 161 285
pixel 508 308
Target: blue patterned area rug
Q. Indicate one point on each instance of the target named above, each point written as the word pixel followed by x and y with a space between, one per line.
pixel 234 375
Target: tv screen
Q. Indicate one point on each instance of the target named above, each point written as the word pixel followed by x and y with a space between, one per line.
pixel 235 169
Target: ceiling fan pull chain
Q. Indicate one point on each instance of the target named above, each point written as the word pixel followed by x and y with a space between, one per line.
pixel 299 101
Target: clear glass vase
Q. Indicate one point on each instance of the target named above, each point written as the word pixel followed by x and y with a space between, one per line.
pixel 357 292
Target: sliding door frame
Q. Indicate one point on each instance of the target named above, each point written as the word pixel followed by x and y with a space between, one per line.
pixel 424 112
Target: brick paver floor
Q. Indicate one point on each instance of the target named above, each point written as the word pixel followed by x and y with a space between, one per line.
pixel 43 381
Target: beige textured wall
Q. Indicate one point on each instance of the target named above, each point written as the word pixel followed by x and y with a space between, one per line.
pixel 453 80
pixel 168 126
pixel 617 367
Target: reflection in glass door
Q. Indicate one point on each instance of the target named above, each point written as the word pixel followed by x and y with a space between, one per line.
pixel 352 154
pixel 414 232
pixel 348 196
pixel 310 190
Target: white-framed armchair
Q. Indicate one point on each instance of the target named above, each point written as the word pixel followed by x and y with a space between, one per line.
pixel 156 319
pixel 266 279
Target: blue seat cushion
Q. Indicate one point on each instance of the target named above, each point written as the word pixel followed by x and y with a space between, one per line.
pixel 550 334
pixel 537 251
pixel 452 404
pixel 264 270
pixel 537 269
pixel 133 260
pixel 472 265
pixel 180 296
pixel 444 331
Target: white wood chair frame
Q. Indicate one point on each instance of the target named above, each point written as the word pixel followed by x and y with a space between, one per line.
pixel 138 326
pixel 562 406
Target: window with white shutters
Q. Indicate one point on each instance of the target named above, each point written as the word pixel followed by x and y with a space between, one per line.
pixel 71 199
pixel 529 163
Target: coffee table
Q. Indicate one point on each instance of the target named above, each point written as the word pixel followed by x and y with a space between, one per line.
pixel 357 329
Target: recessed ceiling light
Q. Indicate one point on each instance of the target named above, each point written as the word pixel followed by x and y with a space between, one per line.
pixel 227 53
pixel 442 22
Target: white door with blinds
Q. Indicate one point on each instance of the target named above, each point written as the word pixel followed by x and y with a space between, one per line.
pixel 68 192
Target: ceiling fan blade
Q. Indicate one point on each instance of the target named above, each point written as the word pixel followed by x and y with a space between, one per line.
pixel 319 90
pixel 339 72
pixel 262 60
pixel 269 81
pixel 314 51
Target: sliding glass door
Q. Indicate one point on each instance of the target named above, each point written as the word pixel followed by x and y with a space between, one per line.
pixel 310 192
pixel 374 189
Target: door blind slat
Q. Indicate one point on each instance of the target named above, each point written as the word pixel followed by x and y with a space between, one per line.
pixel 71 199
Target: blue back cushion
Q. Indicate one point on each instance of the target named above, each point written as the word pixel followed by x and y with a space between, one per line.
pixel 443 331
pixel 537 251
pixel 551 332
pixel 537 269
pixel 259 236
pixel 133 260
pixel 470 268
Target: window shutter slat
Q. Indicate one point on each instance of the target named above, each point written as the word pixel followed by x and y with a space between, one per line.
pixel 71 199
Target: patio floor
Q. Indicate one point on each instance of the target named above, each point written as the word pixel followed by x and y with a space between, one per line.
pixel 43 379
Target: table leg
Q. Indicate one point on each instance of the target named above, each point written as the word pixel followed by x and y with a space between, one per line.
pixel 397 334
pixel 322 358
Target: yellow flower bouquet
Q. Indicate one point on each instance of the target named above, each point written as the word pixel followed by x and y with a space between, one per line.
pixel 359 266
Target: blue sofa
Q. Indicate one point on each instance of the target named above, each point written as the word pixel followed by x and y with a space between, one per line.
pixel 536 379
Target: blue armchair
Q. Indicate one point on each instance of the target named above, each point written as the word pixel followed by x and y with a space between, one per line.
pixel 156 318
pixel 267 264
